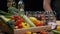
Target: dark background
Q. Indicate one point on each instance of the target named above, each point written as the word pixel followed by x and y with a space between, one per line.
pixel 33 5
pixel 3 5
pixel 30 5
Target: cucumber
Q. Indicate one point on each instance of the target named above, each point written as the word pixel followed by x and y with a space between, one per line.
pixel 56 31
pixel 8 15
pixel 28 20
pixel 3 18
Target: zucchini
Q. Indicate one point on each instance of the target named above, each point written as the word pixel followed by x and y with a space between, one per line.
pixel 28 20
pixel 56 31
pixel 5 14
pixel 3 18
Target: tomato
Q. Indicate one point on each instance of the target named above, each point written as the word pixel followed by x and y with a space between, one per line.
pixel 21 19
pixel 20 26
pixel 18 17
pixel 13 17
pixel 43 32
pixel 18 22
pixel 38 23
pixel 16 27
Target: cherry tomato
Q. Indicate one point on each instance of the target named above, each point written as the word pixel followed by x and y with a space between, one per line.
pixel 43 32
pixel 38 23
pixel 18 22
pixel 13 17
pixel 20 26
pixel 16 27
pixel 16 16
pixel 19 17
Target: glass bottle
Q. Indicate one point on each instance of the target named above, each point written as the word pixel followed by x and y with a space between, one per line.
pixel 13 4
pixel 42 17
pixel 51 19
pixel 46 17
pixel 21 6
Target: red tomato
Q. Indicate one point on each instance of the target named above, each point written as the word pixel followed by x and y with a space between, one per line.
pixel 43 32
pixel 13 17
pixel 20 26
pixel 16 27
pixel 19 17
pixel 18 22
pixel 16 17
pixel 38 23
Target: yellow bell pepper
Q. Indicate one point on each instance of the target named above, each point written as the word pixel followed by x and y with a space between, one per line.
pixel 28 32
pixel 25 25
pixel 58 28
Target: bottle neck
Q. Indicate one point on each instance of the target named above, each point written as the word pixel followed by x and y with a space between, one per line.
pixel 21 9
pixel 20 5
pixel 14 4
